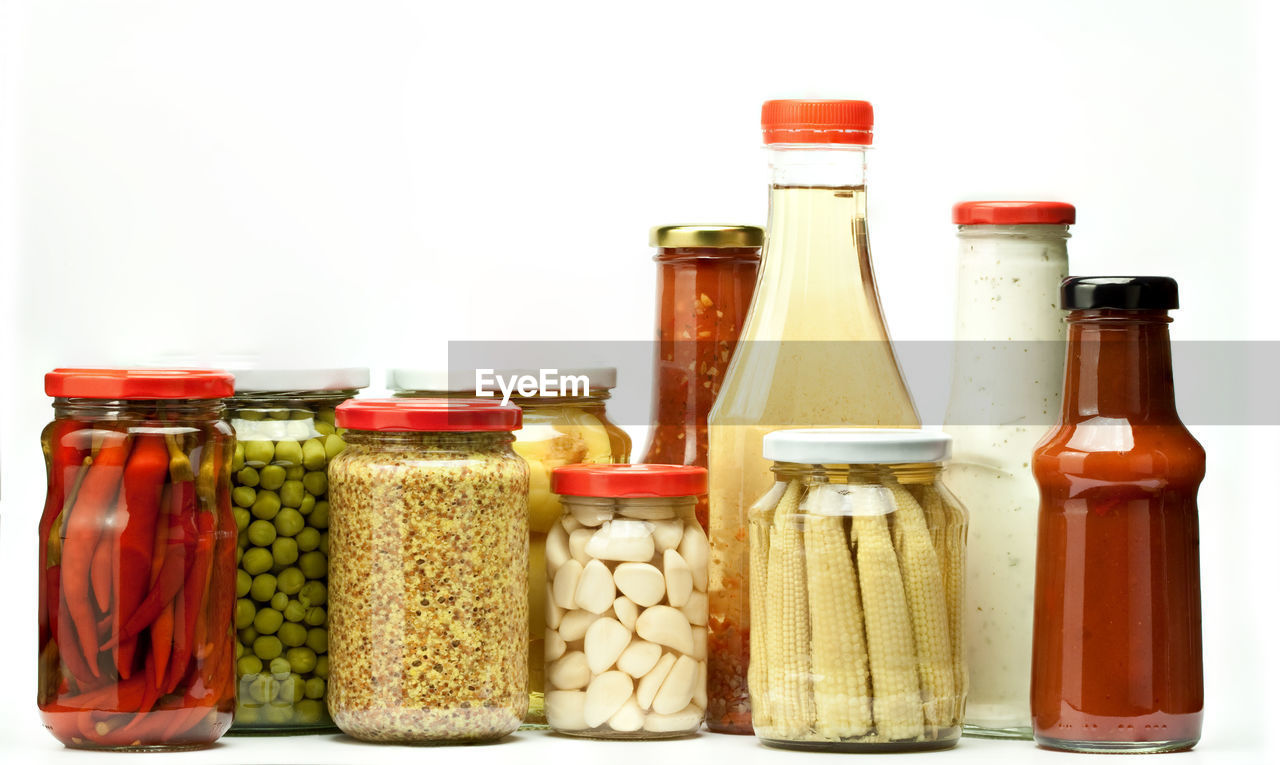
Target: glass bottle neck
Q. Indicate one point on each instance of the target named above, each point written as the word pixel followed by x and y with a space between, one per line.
pixel 817 166
pixel 1119 365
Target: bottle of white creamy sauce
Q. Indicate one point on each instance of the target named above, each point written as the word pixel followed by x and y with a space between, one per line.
pixel 1005 392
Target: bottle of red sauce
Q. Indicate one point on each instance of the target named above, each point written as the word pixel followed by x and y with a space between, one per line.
pixel 1116 662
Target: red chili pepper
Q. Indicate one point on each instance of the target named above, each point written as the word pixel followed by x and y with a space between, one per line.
pixel 173 571
pixel 100 570
pixel 192 599
pixel 161 635
pixel 81 531
pixel 124 696
pixel 144 481
pixel 63 465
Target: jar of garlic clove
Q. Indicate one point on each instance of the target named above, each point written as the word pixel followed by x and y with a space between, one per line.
pixel 626 644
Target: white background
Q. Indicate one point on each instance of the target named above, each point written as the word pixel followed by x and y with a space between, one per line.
pixel 324 183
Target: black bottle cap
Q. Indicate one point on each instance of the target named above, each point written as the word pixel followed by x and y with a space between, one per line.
pixel 1124 293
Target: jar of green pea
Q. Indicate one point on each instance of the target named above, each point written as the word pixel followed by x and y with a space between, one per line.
pixel 285 437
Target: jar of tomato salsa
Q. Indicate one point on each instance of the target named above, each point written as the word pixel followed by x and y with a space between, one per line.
pixel 137 560
pixel 1116 652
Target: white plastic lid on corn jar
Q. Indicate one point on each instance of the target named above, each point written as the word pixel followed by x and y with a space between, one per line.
pixel 857 446
pixel 317 379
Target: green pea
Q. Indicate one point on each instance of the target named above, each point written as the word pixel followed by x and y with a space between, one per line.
pixel 277 714
pixel 303 660
pixel 308 504
pixel 292 689
pixel 319 518
pixel 292 493
pixel 247 477
pixel 279 601
pixel 292 581
pixel 308 539
pixel 294 473
pixel 243 496
pixel 243 517
pixel 322 666
pixel 267 621
pixel 237 458
pixel 278 414
pixel 289 522
pixel 259 453
pixel 248 635
pixel 272 477
pixel 300 414
pixel 246 711
pixel 288 453
pixel 315 688
pixel 318 639
pixel 254 415
pixel 294 611
pixel 244 613
pixel 315 616
pixel 239 649
pixel 313 594
pixel 267 647
pixel 262 533
pixel 263 688
pixel 314 565
pixel 325 429
pixel 243 583
pixel 334 445
pixel 285 551
pixel 249 665
pixel 315 482
pixel 264 586
pixel 266 505
pixel 242 541
pixel 325 415
pixel 313 454
pixel 310 712
pixel 292 635
pixel 324 543
pixel 279 668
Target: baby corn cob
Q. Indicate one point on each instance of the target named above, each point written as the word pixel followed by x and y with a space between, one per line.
pixel 761 521
pixel 947 529
pixel 891 648
pixel 840 673
pixel 790 685
pixel 926 599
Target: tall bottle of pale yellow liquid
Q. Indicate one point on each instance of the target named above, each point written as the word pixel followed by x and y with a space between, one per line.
pixel 814 353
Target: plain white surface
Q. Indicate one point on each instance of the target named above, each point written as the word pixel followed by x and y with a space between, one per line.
pixel 331 184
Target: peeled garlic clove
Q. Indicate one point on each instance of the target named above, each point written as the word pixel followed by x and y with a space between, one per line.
pixel 553 646
pixel 564 709
pixel 569 671
pixel 700 688
pixel 679 578
pixel 606 639
pixel 557 548
pixel 605 696
pixel 639 657
pixel 666 626
pixel 696 609
pixel 552 613
pixel 595 590
pixel 590 514
pixel 699 651
pixel 621 540
pixel 626 611
pixel 650 513
pixel 566 584
pixel 575 623
pixel 570 523
pixel 651 682
pixel 667 534
pixel 578 539
pixel 695 551
pixel 640 582
pixel 629 718
pixel 686 719
pixel 677 690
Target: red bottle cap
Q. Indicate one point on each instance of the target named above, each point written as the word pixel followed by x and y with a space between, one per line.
pixel 428 415
pixel 817 121
pixel 629 481
pixel 139 384
pixel 1012 213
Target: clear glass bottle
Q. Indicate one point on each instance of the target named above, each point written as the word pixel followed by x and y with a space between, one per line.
pixel 557 430
pixel 1006 389
pixel 286 433
pixel 814 353
pixel 859 553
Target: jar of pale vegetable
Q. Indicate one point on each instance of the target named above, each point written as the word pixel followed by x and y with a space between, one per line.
pixel 626 613
pixel 284 423
pixel 857 572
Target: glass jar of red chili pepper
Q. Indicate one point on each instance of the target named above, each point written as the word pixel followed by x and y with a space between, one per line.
pixel 137 560
pixel 286 436
pixel 706 276
pixel 1116 654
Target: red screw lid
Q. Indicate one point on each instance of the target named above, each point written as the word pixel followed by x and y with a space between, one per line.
pixel 427 415
pixel 817 121
pixel 629 481
pixel 1012 213
pixel 139 384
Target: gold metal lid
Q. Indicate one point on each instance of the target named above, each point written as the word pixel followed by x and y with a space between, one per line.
pixel 711 235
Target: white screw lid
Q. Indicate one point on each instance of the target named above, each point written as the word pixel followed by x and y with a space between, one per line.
pixel 857 446
pixel 282 380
